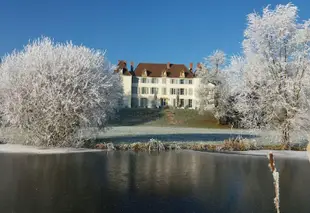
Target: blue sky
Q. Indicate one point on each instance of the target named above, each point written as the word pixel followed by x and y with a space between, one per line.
pixel 139 30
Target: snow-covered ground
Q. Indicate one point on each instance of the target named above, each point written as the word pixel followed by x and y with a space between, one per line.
pixel 277 153
pixel 18 148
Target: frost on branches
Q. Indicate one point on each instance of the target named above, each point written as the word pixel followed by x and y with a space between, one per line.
pixel 51 90
pixel 225 109
pixel 210 79
pixel 216 60
pixel 275 88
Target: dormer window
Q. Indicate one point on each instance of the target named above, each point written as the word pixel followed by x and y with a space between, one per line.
pixel 144 73
pixel 182 74
pixel 164 73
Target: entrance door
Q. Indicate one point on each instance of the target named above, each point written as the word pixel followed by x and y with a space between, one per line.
pixel 163 102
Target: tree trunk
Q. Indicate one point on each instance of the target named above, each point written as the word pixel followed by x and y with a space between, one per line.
pixel 285 137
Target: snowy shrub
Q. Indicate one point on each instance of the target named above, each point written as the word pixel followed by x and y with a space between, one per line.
pixel 239 144
pixel 110 146
pixel 174 146
pixel 156 145
pixel 51 90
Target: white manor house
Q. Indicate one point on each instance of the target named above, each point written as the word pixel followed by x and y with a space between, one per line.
pixel 153 85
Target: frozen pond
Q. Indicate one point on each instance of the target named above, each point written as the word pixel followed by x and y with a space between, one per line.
pixel 184 181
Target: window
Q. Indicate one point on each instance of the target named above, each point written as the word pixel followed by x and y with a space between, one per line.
pixel 144 80
pixel 190 81
pixel 154 80
pixel 190 91
pixel 181 91
pixel 144 90
pixel 174 81
pixel 163 102
pixel 190 103
pixel 164 80
pixel 164 91
pixel 164 74
pixel 154 90
pixel 182 74
pixel 181 81
pixel 181 102
pixel 172 91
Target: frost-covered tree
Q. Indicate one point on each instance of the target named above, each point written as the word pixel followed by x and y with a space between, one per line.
pixel 216 60
pixel 228 91
pixel 275 85
pixel 52 90
pixel 210 79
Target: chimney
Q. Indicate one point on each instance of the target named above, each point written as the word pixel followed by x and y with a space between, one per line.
pixel 191 66
pixel 198 65
pixel 131 66
pixel 168 65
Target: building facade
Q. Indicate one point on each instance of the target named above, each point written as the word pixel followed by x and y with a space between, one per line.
pixel 151 85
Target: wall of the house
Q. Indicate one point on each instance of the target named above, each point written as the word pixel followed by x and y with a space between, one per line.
pixel 136 96
pixel 127 89
pixel 167 89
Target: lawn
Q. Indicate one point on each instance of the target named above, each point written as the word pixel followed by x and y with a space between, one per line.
pixel 166 117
